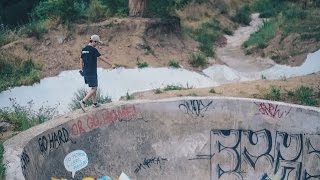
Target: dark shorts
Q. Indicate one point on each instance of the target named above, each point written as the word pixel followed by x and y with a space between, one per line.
pixel 92 81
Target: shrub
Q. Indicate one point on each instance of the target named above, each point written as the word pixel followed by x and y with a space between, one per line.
pixel 243 15
pixel 2 167
pixel 96 10
pixel 263 35
pixel 305 96
pixel 295 13
pixel 212 90
pixel 142 65
pixel 207 34
pixel 173 87
pixel 65 10
pixel 7 35
pixel 81 93
pixel 158 91
pixel 129 97
pixel 192 94
pixel 174 63
pixel 15 13
pixel 34 29
pixel 117 7
pixel 269 8
pixel 198 59
pixel 272 93
pixel 23 117
pixel 15 72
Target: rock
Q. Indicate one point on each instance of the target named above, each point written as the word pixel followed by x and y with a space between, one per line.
pixel 61 39
pixel 4 126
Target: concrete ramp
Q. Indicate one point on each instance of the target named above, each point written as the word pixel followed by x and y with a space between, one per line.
pixel 189 138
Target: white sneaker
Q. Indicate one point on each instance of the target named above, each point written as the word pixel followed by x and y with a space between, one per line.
pixel 82 105
pixel 96 105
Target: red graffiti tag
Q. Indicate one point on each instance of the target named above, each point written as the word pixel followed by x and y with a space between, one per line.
pixel 271 110
pixel 93 121
pixel 77 128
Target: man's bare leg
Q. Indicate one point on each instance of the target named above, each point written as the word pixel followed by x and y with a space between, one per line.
pixel 92 93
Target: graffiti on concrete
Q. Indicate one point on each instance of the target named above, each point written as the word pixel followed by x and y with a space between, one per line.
pixel 53 140
pixel 25 160
pixel 194 108
pixel 272 110
pixel 246 154
pixel 101 118
pixel 148 162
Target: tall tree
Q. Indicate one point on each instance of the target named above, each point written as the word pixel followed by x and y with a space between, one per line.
pixel 136 8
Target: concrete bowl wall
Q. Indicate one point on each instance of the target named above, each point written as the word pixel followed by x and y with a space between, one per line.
pixel 181 138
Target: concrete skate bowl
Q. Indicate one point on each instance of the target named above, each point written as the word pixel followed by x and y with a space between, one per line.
pixel 186 138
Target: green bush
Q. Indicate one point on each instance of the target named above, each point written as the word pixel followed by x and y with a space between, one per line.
pixel 198 59
pixel 96 11
pixel 173 87
pixel 34 29
pixel 12 73
pixel 81 93
pixel 15 13
pixel 305 23
pixel 272 93
pixel 117 7
pixel 142 65
pixel 305 96
pixel 261 38
pixel 192 94
pixel 212 91
pixel 295 12
pixel 23 117
pixel 164 8
pixel 174 63
pixel 7 35
pixel 268 8
pixel 207 34
pixel 158 91
pixel 129 97
pixel 2 167
pixel 243 15
pixel 65 10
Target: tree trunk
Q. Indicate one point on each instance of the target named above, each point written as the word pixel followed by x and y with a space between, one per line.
pixel 136 8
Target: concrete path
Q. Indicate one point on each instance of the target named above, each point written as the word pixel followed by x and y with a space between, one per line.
pixel 233 55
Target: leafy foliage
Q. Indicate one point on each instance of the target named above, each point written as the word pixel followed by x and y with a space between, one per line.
pixel 272 93
pixel 14 13
pixel 23 117
pixel 12 74
pixel 81 93
pixel 174 63
pixel 198 59
pixel 2 167
pixel 305 96
pixel 173 87
pixel 142 65
pixel 96 11
pixel 243 15
pixel 164 8
pixel 65 10
pixel 265 33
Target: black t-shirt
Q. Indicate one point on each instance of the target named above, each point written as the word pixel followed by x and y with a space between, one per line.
pixel 89 56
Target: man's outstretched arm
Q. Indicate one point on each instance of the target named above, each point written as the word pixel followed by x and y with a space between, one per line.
pixel 104 59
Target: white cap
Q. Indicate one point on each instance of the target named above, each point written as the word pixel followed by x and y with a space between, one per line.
pixel 95 38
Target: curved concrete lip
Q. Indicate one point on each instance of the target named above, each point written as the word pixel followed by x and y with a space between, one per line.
pixel 178 138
